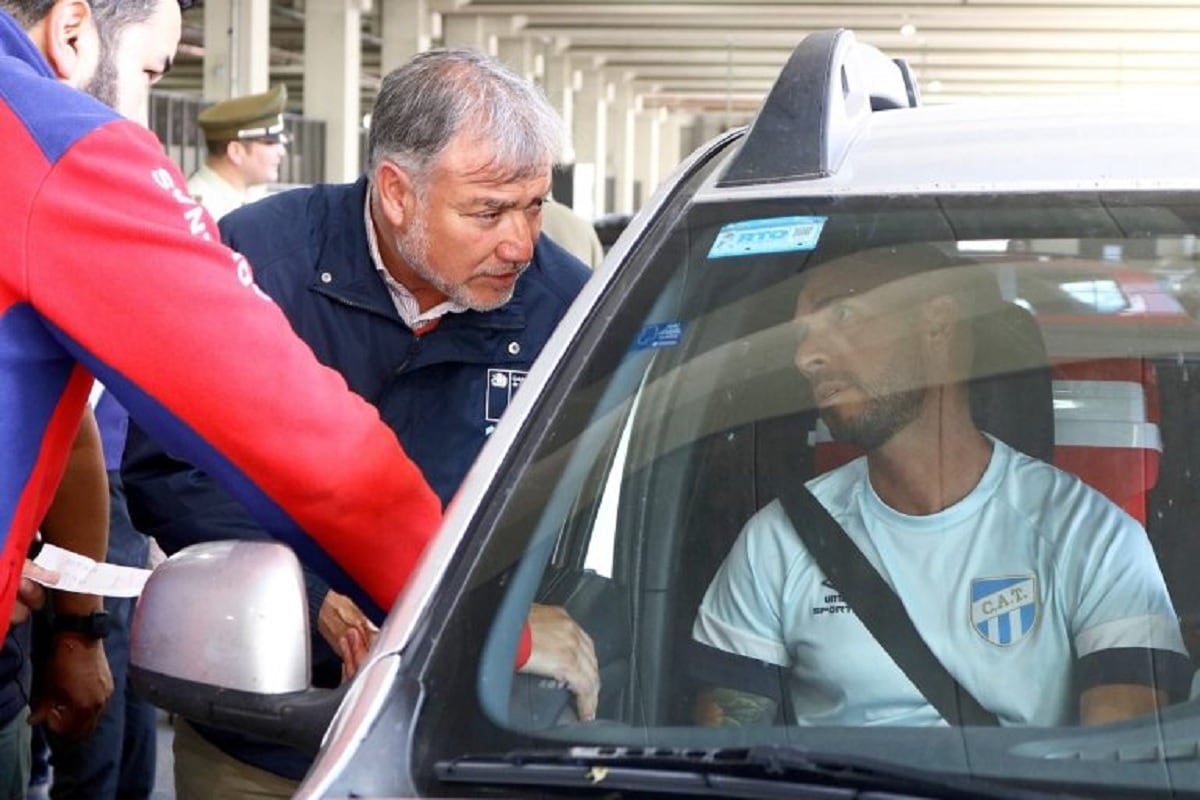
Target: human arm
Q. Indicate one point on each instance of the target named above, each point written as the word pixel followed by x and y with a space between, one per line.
pixel 77 681
pixel 560 649
pixel 30 594
pixel 181 505
pixel 1131 659
pixel 737 655
pixel 1113 702
pixel 715 706
pixel 346 629
pixel 172 323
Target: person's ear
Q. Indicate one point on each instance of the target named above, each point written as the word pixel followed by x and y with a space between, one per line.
pixel 67 37
pixel 235 151
pixel 397 194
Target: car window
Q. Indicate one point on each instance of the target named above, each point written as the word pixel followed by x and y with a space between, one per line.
pixel 649 498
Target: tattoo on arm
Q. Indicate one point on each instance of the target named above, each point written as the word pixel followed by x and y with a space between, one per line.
pixel 730 707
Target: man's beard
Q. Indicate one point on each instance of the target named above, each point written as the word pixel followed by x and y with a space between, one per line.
pixel 103 85
pixel 883 416
pixel 413 249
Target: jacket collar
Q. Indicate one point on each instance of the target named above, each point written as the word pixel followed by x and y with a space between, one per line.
pixel 15 43
pixel 345 271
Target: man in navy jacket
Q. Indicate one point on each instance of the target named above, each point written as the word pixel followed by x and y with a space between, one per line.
pixel 426 284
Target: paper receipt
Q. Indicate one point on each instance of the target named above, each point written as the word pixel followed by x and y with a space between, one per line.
pixel 81 574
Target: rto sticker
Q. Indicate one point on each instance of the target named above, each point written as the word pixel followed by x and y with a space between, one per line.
pixel 773 235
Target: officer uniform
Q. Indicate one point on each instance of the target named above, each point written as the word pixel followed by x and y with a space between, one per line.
pixel 253 117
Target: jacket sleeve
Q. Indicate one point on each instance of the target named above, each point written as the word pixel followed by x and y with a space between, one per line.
pixel 127 272
pixel 180 505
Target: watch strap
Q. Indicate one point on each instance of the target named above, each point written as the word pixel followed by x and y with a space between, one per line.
pixel 93 626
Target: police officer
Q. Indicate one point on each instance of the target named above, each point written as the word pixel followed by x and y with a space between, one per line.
pixel 246 143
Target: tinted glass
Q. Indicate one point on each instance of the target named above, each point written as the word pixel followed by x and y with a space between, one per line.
pixel 757 347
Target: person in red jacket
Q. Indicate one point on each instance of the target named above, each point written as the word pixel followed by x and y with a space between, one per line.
pixel 111 270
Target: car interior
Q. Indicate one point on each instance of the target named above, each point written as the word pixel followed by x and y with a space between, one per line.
pixel 701 435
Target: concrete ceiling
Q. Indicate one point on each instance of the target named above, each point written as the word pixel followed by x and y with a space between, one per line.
pixel 703 56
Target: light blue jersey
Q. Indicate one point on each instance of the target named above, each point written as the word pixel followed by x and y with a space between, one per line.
pixel 1010 588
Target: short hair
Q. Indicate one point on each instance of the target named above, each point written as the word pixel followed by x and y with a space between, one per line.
pixel 425 103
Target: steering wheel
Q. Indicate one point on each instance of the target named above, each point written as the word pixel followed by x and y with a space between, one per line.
pixel 598 605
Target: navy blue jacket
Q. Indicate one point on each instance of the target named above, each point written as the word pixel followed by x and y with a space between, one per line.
pixel 441 392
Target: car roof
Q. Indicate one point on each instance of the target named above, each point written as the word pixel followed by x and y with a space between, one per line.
pixel 826 143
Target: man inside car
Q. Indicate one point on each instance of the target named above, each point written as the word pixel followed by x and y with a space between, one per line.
pixel 1081 627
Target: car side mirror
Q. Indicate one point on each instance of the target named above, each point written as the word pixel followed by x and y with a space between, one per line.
pixel 220 636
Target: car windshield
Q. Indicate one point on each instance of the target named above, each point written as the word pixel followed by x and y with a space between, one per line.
pixel 748 348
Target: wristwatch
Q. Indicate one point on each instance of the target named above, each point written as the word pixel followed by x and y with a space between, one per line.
pixel 93 626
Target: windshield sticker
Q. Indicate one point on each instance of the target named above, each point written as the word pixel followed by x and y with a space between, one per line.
pixel 659 334
pixel 774 235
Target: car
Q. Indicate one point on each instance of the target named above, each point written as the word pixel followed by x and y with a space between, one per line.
pixel 667 410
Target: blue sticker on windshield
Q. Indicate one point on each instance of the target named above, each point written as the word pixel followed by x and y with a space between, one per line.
pixel 659 334
pixel 775 235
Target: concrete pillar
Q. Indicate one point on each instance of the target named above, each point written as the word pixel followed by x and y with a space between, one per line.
pixel 670 144
pixel 646 152
pixel 464 30
pixel 556 83
pixel 590 129
pixel 332 76
pixel 695 132
pixel 237 48
pixel 621 141
pixel 407 29
pixel 517 53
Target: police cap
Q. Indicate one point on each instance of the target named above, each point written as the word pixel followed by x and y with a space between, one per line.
pixel 252 116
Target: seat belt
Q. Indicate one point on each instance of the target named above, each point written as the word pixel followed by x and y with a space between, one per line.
pixel 878 608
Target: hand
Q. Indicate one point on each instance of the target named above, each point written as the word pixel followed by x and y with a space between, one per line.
pixel 154 555
pixel 347 629
pixel 563 651
pixel 78 684
pixel 354 653
pixel 30 595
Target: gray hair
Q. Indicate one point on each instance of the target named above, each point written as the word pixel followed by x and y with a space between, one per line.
pixel 425 103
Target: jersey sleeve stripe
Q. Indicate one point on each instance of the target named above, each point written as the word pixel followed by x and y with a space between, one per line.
pixel 1150 630
pixel 1166 670
pixel 710 666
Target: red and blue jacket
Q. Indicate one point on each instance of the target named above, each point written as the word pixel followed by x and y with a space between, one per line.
pixel 108 269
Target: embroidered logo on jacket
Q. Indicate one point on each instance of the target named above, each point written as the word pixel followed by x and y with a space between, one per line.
pixel 501 385
pixel 1004 610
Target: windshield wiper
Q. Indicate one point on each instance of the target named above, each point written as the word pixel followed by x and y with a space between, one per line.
pixel 754 772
